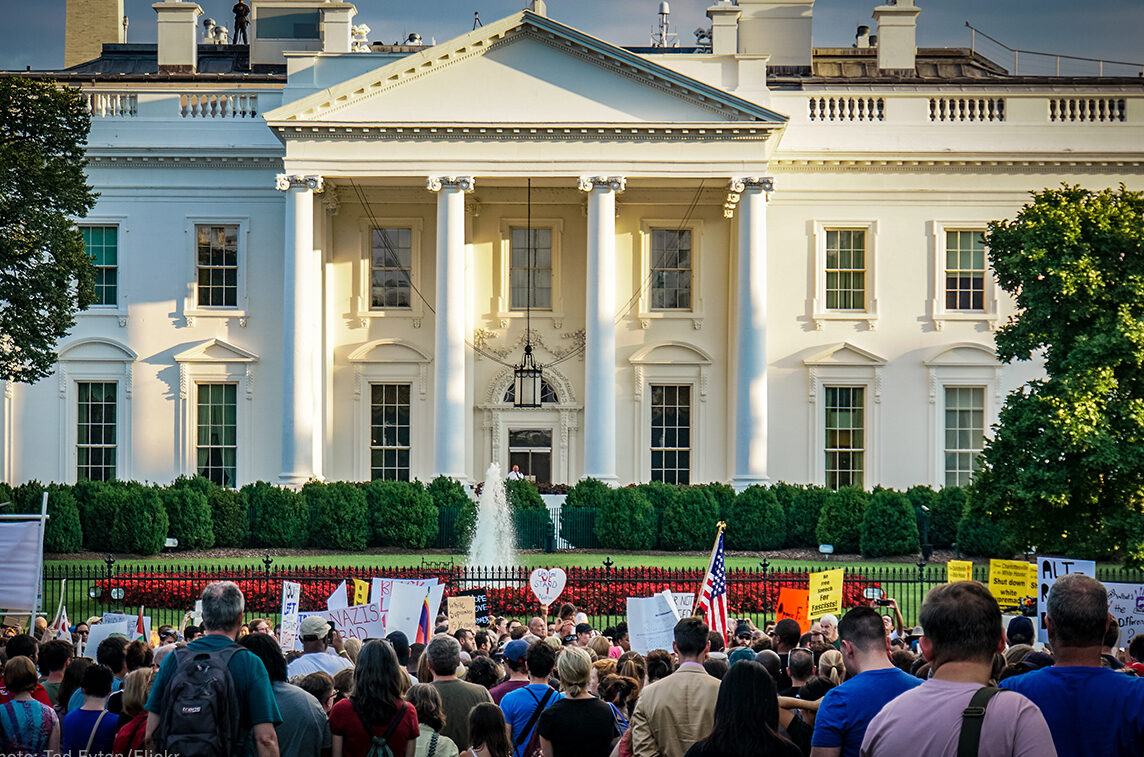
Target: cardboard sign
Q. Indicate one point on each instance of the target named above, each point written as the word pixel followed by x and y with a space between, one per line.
pixel 547 584
pixel 1049 569
pixel 958 570
pixel 462 613
pixel 651 622
pixel 338 600
pixel 684 602
pixel 480 606
pixel 101 631
pixel 382 590
pixel 825 593
pixel 359 622
pixel 1009 581
pixel 794 604
pixel 1126 605
pixel 131 621
pixel 291 595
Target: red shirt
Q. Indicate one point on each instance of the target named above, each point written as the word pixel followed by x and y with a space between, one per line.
pixel 40 694
pixel 345 722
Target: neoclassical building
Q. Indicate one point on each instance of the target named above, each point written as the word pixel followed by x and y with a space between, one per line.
pixel 752 261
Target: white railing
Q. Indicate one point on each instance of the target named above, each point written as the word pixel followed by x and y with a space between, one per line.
pixel 1098 109
pixel 112 104
pixel 218 105
pixel 847 108
pixel 978 109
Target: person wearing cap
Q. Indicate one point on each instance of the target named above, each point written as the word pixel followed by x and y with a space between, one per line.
pixel 583 634
pixel 963 633
pixel 1020 631
pixel 1091 710
pixel 322 649
pixel 521 705
pixel 513 658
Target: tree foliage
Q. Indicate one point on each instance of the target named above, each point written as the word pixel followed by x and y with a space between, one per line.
pixel 1068 454
pixel 45 271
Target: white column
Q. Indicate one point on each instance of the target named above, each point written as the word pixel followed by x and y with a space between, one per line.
pixel 750 349
pixel 600 329
pixel 300 319
pixel 449 380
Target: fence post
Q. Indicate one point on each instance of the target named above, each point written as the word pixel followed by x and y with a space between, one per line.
pixel 109 562
pixel 765 564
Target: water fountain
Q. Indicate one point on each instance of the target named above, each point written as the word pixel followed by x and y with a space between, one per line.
pixel 494 541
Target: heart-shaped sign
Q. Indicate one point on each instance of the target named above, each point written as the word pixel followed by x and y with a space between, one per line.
pixel 547 584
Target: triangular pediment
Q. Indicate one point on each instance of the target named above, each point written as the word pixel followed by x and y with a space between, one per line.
pixel 845 354
pixel 215 351
pixel 524 69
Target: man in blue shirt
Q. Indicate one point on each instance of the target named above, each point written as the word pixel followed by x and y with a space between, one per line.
pixel 519 705
pixel 1091 710
pixel 872 681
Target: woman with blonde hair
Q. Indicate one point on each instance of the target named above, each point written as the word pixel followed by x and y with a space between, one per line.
pixel 352 647
pixel 601 646
pixel 579 725
pixel 600 669
pixel 431 718
pixel 136 689
pixel 830 666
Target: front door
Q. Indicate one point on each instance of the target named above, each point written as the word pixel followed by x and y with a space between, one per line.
pixel 531 450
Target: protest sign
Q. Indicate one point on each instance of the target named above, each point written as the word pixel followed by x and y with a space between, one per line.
pixel 405 600
pixel 462 612
pixel 338 599
pixel 825 593
pixel 383 587
pixel 130 620
pixel 291 594
pixel 1049 569
pixel 651 622
pixel 480 606
pixel 684 602
pixel 22 545
pixel 197 613
pixel 1008 581
pixel 1126 605
pixel 359 621
pixel 101 631
pixel 361 591
pixel 958 570
pixel 794 604
pixel 547 584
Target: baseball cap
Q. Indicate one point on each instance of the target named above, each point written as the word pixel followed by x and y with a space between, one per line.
pixel 515 650
pixel 583 628
pixel 743 628
pixel 1020 631
pixel 314 625
pixel 400 643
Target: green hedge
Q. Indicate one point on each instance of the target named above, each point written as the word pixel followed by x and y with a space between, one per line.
pixel 230 522
pixel 803 505
pixel 840 521
pixel 139 525
pixel 626 521
pixel 64 532
pixel 189 515
pixel 689 520
pixel 450 495
pixel 755 520
pixel 278 517
pixel 338 515
pixel 889 526
pixel 661 496
pixel 581 510
pixel 401 514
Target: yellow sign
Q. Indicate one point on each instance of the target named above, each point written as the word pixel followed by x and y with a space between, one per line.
pixel 825 593
pixel 1031 591
pixel 361 592
pixel 1010 580
pixel 958 570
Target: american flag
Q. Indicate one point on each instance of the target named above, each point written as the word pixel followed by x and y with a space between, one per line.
pixel 713 595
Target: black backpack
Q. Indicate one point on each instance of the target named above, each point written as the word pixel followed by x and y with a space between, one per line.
pixel 200 716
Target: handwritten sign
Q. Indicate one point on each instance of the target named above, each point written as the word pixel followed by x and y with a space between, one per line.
pixel 101 631
pixel 794 604
pixel 825 593
pixel 1008 581
pixel 1049 569
pixel 684 602
pixel 131 621
pixel 480 606
pixel 359 622
pixel 1126 605
pixel 462 612
pixel 958 570
pixel 547 584
pixel 651 622
pixel 291 595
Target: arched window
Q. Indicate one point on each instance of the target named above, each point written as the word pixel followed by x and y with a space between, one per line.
pixel 547 393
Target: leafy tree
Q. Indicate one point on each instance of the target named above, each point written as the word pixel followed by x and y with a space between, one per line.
pixel 45 271
pixel 1068 454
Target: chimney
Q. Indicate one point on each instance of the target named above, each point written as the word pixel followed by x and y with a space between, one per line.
pixel 178 39
pixel 778 28
pixel 897 37
pixel 862 38
pixel 337 20
pixel 89 26
pixel 724 27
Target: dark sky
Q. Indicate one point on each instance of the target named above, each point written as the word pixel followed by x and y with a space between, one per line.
pixel 1110 29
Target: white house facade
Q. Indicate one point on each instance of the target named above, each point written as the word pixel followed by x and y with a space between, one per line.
pixel 753 262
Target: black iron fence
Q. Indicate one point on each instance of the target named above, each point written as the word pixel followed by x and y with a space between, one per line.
pixel 167 593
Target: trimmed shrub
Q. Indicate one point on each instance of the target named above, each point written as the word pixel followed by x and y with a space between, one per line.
pixel 626 521
pixel 530 517
pixel 522 494
pixel 840 521
pixel 278 517
pixel 401 513
pixel 140 523
pixel 97 515
pixel 64 532
pixel 582 510
pixel 923 496
pixel 980 535
pixel 799 512
pixel 689 520
pixel 660 495
pixel 189 516
pixel 945 514
pixel 724 497
pixel 450 494
pixel 230 522
pixel 755 520
pixel 338 515
pixel 889 526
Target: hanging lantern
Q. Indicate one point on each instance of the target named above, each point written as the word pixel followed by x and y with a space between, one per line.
pixel 526 377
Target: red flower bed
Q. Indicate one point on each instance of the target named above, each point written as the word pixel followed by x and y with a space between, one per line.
pixel 596 591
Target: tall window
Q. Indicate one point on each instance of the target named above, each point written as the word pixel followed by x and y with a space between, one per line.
pixel 96 430
pixel 670 269
pixel 389 432
pixel 217 265
pixel 845 435
pixel 531 451
pixel 846 269
pixel 540 265
pixel 217 441
pixel 102 243
pixel 964 270
pixel 671 434
pixel 964 432
pixel 391 258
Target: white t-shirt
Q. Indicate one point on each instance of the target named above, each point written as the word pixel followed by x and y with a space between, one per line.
pixel 315 662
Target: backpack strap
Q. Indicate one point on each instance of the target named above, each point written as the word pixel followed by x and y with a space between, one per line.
pixel 392 726
pixel 972 720
pixel 524 734
pixel 94 730
pixel 432 752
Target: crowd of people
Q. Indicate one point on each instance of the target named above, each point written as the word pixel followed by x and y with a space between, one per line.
pixel 957 684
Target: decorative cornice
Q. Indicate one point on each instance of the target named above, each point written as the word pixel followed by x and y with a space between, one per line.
pixel 949 165
pixel 463 183
pixel 331 200
pixel 284 182
pixel 499 132
pixel 184 161
pixel 614 183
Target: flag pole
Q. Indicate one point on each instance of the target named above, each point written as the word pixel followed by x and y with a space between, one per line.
pixel 721 526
